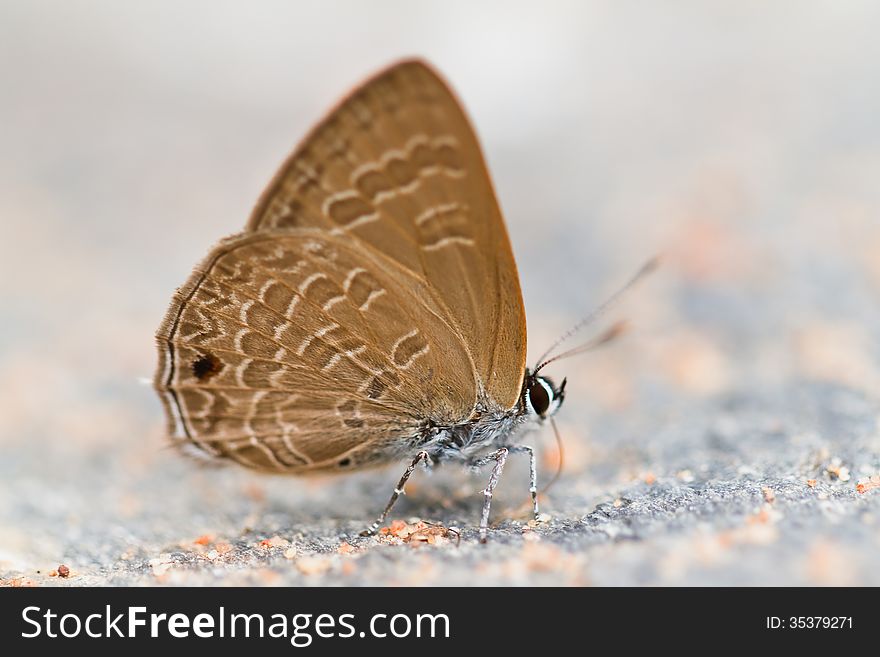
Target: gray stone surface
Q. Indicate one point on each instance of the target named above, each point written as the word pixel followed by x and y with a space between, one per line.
pixel 746 491
pixel 722 441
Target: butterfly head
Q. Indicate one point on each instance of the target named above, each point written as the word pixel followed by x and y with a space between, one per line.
pixel 541 397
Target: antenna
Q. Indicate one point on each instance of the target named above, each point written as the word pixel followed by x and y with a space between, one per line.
pixel 646 269
pixel 612 333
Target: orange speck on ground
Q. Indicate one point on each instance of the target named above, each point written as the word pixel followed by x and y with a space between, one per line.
pixel 761 517
pixel 394 529
pixel 868 484
pixel 417 533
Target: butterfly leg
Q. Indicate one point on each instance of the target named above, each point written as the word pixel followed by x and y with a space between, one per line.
pixel 533 473
pixel 500 457
pixel 398 491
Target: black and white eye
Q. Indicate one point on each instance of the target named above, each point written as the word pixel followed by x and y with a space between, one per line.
pixel 540 395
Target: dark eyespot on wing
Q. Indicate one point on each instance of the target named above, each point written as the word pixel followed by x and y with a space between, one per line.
pixel 206 366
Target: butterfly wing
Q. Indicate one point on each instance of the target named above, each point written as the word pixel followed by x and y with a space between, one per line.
pixel 397 167
pixel 373 294
pixel 291 350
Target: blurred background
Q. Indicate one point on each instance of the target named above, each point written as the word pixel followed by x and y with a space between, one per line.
pixel 739 140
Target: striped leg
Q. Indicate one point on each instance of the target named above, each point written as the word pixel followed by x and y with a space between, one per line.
pixel 500 457
pixel 397 493
pixel 533 473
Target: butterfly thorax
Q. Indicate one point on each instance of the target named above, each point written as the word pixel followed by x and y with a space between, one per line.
pixel 486 429
pixel 491 426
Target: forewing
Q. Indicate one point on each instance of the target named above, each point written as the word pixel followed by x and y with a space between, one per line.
pixel 397 168
pixel 293 350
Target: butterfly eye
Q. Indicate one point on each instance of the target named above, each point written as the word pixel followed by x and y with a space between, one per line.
pixel 539 397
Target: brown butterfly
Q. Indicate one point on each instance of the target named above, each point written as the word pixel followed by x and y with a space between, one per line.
pixel 369 312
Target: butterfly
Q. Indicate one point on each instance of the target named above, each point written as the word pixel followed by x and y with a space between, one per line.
pixel 369 313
